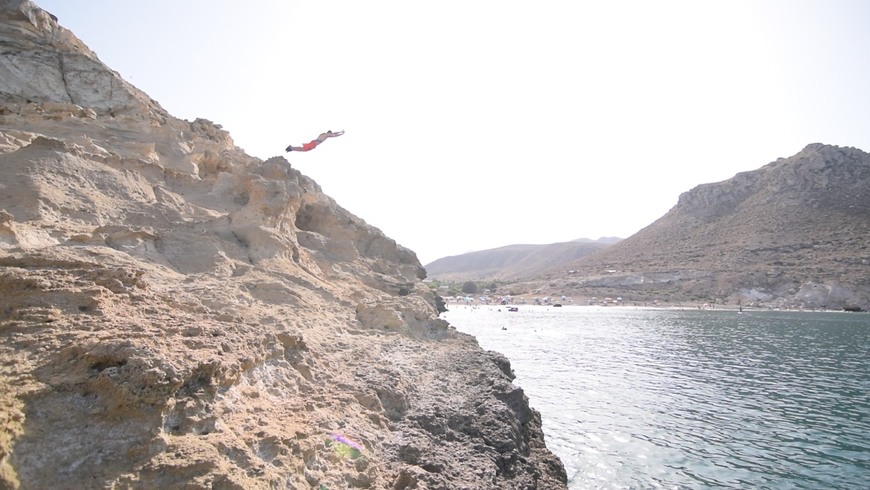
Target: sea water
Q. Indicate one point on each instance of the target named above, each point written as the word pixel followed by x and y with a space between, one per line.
pixel 656 398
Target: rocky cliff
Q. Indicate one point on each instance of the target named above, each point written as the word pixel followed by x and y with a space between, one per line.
pixel 793 234
pixel 176 313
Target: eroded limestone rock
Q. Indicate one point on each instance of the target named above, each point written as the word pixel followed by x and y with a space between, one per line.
pixel 175 313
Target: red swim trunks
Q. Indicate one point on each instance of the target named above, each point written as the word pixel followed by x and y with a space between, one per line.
pixel 310 145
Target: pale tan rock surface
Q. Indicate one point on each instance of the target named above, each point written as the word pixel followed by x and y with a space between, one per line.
pixel 175 313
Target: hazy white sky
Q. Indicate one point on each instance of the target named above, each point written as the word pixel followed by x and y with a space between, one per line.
pixel 473 124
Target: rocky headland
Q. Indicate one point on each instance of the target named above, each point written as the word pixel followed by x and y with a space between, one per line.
pixel 176 313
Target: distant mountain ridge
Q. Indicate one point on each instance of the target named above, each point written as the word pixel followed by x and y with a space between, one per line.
pixel 794 233
pixel 513 261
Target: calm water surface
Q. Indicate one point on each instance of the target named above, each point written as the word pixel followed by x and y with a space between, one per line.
pixel 634 398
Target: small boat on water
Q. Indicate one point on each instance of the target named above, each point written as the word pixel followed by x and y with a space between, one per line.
pixel 513 308
pixel 557 305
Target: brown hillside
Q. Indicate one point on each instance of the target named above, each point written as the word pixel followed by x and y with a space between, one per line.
pixel 511 262
pixel 794 233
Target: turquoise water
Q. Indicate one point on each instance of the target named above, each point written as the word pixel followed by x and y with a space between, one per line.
pixel 634 398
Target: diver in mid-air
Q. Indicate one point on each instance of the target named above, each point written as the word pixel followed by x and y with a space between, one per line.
pixel 313 143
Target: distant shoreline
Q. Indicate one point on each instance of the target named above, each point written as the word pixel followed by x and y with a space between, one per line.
pixel 663 307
